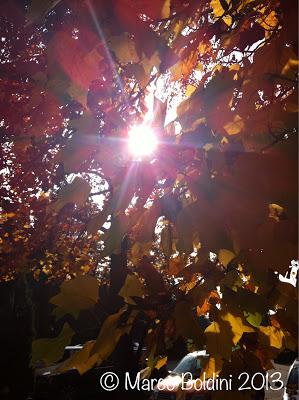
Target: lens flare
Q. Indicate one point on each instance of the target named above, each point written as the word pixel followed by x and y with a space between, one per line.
pixel 142 141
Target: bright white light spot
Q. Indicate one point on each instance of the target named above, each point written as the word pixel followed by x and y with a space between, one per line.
pixel 212 257
pixel 142 141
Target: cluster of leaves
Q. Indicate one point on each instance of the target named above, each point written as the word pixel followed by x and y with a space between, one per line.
pixel 75 75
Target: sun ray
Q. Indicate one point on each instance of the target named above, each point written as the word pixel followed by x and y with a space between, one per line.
pixel 106 48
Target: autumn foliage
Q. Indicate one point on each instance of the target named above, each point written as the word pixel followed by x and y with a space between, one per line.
pixel 217 81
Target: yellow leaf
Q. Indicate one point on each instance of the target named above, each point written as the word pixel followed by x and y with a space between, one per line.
pixel 199 67
pixel 225 256
pixel 183 68
pixel 235 127
pixel 75 295
pixel 188 286
pixel 165 12
pixel 212 298
pixel 219 11
pixel 189 90
pixel 237 325
pixel 221 336
pixel 213 366
pixel 96 351
pixel 276 211
pixel 291 68
pixel 177 27
pixel 234 67
pixel 9 215
pixel 80 360
pixel 131 288
pixel 161 362
pixel 268 22
pixel 110 334
pixel 275 335
pixel 124 48
pixel 108 337
pixel 85 268
pixel 51 350
pixel 202 48
pixel 139 250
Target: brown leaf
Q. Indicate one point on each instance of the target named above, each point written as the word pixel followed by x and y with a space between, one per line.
pixel 187 324
pixel 124 48
pixel 167 240
pixel 39 9
pixel 153 279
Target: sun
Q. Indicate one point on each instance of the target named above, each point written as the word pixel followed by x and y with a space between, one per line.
pixel 142 141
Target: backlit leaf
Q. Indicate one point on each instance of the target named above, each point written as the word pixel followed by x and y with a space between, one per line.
pixel 50 351
pixel 161 362
pixel 124 48
pixel 77 294
pixel 115 234
pixel 110 334
pixel 275 336
pixel 276 211
pixel 76 192
pixel 212 368
pixel 234 127
pixel 237 325
pixel 80 360
pixel 39 9
pixel 219 10
pixel 218 341
pixel 225 256
pixel 132 288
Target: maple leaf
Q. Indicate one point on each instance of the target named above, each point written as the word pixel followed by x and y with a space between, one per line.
pixel 131 288
pixel 75 78
pixel 76 192
pixel 50 351
pixel 75 295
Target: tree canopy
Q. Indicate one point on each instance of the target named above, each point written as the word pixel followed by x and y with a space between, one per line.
pixel 203 225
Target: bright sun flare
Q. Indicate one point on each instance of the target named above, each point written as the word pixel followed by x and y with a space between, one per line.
pixel 142 141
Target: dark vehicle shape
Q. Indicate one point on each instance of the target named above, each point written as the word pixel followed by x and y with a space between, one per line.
pixel 51 384
pixel 291 390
